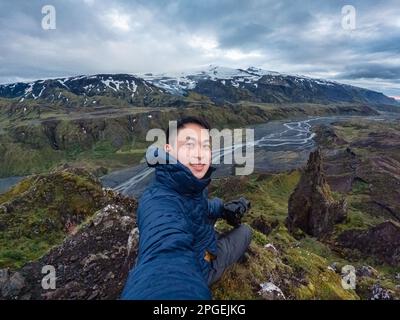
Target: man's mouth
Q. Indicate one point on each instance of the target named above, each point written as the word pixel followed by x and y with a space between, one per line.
pixel 198 167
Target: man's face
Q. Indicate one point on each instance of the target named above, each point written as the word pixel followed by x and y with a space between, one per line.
pixel 192 148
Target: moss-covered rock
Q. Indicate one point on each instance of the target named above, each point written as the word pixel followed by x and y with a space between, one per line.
pixel 40 211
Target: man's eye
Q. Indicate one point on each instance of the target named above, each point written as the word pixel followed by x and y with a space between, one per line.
pixel 206 146
pixel 189 144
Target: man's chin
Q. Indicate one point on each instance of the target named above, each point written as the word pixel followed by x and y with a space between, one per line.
pixel 199 175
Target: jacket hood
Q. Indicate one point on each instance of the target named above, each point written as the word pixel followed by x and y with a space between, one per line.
pixel 172 173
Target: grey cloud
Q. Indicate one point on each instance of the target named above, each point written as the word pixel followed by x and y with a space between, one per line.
pixel 289 36
pixel 371 70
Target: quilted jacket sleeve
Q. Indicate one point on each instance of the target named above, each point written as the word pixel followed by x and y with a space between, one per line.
pixel 167 267
pixel 215 208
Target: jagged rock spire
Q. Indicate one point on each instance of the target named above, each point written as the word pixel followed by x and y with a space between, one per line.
pixel 311 205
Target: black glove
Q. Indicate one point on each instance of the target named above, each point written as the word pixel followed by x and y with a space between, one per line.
pixel 234 211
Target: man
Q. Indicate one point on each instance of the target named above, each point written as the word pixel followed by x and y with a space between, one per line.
pixel 179 254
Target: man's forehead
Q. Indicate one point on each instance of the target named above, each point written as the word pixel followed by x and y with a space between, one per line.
pixel 193 133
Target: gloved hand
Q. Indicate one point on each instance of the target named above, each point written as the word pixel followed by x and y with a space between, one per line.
pixel 234 211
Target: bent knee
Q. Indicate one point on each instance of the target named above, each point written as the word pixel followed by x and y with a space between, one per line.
pixel 247 233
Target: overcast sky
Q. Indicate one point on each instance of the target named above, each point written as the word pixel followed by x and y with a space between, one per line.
pixel 297 37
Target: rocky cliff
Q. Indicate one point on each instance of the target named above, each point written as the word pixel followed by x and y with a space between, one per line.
pixel 311 205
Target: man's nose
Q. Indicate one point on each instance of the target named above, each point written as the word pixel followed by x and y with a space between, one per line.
pixel 202 155
pixel 198 153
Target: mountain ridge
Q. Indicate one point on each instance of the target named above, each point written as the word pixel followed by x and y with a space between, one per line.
pixel 219 84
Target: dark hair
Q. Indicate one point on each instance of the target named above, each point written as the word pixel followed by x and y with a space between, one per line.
pixel 189 119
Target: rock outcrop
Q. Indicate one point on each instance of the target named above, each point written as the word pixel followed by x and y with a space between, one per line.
pixel 325 134
pixel 63 236
pixel 91 264
pixel 311 206
pixel 381 241
pixel 42 210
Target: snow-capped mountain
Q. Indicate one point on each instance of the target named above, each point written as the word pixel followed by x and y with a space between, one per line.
pixel 182 82
pixel 219 84
pixel 85 88
pixel 258 85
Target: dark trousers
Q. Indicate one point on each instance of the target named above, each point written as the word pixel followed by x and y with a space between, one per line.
pixel 231 246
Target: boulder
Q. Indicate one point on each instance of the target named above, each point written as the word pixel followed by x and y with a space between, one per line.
pixel 11 286
pixel 269 291
pixel 379 293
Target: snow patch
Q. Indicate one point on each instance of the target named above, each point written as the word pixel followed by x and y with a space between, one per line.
pixel 41 91
pixel 29 89
pixel 107 84
pixel 181 82
pixel 62 82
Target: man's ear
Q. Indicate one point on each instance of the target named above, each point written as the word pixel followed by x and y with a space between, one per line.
pixel 167 148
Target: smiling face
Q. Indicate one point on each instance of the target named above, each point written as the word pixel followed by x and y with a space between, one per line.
pixel 192 147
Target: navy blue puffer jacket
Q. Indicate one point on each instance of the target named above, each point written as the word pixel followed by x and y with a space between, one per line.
pixel 176 228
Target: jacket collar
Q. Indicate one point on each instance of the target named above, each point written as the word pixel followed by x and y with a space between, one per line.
pixel 172 173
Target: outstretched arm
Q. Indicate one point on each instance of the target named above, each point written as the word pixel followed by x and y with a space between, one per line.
pixel 167 267
pixel 215 208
